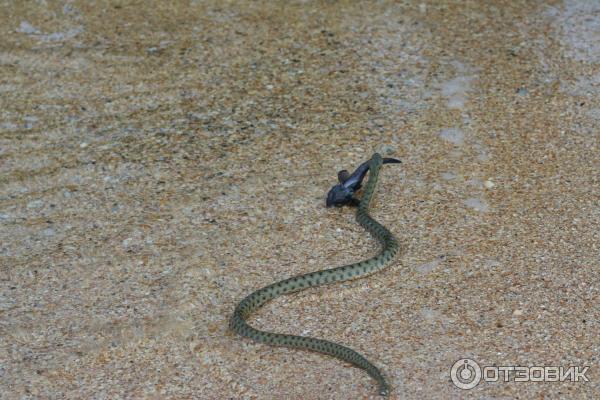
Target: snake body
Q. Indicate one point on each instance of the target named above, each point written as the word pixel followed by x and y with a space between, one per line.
pixel 389 248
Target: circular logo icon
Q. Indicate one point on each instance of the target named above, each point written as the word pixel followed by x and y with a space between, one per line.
pixel 465 374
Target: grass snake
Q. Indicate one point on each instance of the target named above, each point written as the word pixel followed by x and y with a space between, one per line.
pixel 341 194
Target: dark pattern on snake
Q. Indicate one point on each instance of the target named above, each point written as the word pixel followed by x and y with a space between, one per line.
pixel 389 248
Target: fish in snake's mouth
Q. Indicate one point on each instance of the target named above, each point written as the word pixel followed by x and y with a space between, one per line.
pixel 343 193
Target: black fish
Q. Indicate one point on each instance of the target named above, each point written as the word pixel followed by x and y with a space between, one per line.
pixel 343 193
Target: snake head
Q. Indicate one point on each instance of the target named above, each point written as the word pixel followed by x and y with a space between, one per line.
pixel 343 193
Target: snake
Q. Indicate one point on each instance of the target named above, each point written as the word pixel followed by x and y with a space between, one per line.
pixel 339 195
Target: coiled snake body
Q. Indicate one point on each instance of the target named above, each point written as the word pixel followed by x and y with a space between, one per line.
pixel 347 272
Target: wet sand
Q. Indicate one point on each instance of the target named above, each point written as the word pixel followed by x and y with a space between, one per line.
pixel 158 163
